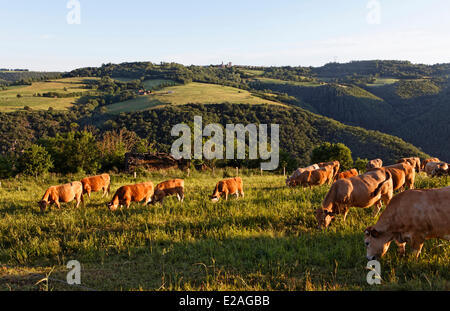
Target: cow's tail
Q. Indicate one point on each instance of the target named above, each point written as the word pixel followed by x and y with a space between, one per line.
pixel 377 191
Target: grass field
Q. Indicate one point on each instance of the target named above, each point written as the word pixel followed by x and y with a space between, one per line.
pixel 10 102
pixel 265 241
pixel 277 81
pixel 189 93
pixel 383 81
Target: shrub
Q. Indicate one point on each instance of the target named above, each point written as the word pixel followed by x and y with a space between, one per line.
pixel 34 161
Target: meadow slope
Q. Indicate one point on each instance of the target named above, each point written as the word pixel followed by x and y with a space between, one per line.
pixel 266 241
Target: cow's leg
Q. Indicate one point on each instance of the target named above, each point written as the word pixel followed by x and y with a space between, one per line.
pixel 416 245
pixel 128 203
pixel 237 194
pixel 242 193
pixel 58 204
pixel 345 213
pixel 401 247
pixel 226 195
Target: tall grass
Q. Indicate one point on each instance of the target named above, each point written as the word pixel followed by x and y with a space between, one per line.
pixel 265 241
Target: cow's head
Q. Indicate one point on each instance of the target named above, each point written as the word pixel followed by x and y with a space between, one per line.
pixel 215 197
pixel 377 243
pixel 113 206
pixel 324 217
pixel 43 205
pixel 158 195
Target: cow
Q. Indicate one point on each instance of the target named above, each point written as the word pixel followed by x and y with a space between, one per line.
pixel 298 172
pixel 435 169
pixel 62 194
pixel 226 187
pixel 315 177
pixel 376 163
pixel 411 217
pixel 347 174
pixel 403 175
pixel 426 161
pixel 359 191
pixel 132 193
pixel 168 188
pixel 97 183
pixel 414 161
pixel 334 164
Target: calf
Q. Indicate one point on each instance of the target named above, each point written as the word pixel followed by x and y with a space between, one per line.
pixel 62 194
pixel 168 188
pixel 132 193
pixel 96 183
pixel 411 217
pixel 226 187
pixel 347 174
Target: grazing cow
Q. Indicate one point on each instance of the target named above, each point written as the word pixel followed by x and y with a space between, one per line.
pixel 403 175
pixel 426 161
pixel 168 188
pixel 62 194
pixel 358 191
pixel 97 183
pixel 374 164
pixel 414 161
pixel 226 187
pixel 315 177
pixel 411 217
pixel 435 169
pixel 347 174
pixel 132 193
pixel 298 172
pixel 335 165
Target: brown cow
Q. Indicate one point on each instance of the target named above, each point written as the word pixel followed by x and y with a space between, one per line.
pixel 436 169
pixel 298 172
pixel 315 177
pixel 62 194
pixel 414 161
pixel 411 217
pixel 377 163
pixel 403 175
pixel 334 164
pixel 97 183
pixel 226 187
pixel 359 191
pixel 132 193
pixel 426 161
pixel 347 174
pixel 168 188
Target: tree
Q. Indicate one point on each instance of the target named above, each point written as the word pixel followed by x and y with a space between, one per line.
pixel 34 161
pixel 327 152
pixel 361 164
pixel 74 152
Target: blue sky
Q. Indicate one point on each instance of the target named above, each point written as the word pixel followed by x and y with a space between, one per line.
pixel 36 35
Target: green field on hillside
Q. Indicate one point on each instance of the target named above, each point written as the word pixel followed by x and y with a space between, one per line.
pixel 277 81
pixel 265 241
pixel 194 92
pixel 9 101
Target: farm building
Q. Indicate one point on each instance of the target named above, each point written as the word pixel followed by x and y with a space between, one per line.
pixel 153 162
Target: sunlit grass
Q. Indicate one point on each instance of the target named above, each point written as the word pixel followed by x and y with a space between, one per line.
pixel 265 241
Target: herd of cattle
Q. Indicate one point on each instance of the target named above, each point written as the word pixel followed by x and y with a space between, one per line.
pixel 411 216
